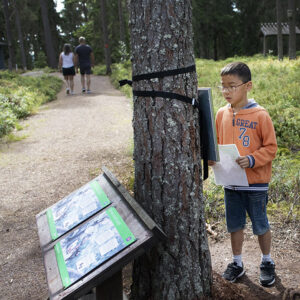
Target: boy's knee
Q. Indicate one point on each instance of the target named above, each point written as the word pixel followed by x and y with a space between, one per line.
pixel 261 230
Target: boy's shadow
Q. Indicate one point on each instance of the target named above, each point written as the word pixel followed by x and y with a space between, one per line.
pixel 262 292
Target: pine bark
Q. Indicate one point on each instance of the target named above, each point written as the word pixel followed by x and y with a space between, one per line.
pixel 11 54
pixel 105 37
pixel 51 57
pixel 168 181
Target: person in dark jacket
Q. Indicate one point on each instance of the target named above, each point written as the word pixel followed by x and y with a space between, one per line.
pixel 85 60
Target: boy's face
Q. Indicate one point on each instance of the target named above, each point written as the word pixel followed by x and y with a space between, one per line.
pixel 235 90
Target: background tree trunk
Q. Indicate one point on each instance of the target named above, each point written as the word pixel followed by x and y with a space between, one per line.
pixel 279 29
pixel 20 35
pixel 11 54
pixel 105 36
pixel 292 27
pixel 51 57
pixel 121 20
pixel 168 181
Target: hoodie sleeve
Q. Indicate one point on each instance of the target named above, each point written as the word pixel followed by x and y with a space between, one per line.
pixel 219 117
pixel 267 152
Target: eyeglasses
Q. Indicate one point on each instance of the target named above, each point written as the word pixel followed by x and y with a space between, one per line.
pixel 230 89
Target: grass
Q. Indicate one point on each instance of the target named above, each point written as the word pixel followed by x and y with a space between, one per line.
pixel 275 87
pixel 10 138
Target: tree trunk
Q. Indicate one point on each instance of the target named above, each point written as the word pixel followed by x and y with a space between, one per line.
pixel 51 57
pixel 105 36
pixel 20 35
pixel 84 11
pixel 279 29
pixel 292 28
pixel 121 21
pixel 265 46
pixel 168 181
pixel 11 55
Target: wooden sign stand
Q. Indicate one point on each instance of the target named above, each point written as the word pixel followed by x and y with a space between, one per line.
pixel 107 277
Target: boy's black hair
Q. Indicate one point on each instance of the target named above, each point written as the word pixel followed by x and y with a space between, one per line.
pixel 239 69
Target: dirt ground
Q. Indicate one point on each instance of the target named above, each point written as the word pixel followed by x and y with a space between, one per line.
pixel 66 144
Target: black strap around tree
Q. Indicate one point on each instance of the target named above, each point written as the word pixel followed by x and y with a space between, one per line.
pixel 161 94
pixel 158 75
pixel 169 95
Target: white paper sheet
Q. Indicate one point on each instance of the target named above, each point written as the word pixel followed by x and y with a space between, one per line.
pixel 227 171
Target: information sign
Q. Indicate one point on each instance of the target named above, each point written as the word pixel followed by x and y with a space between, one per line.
pixel 75 208
pixel 91 244
pixel 90 235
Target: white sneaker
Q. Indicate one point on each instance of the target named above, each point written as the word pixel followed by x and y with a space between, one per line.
pixel 67 91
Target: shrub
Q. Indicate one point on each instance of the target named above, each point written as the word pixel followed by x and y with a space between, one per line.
pixel 7 121
pixel 100 70
pixel 21 95
pixel 122 71
pixel 41 60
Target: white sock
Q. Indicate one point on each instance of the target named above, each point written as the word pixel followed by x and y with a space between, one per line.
pixel 266 258
pixel 238 260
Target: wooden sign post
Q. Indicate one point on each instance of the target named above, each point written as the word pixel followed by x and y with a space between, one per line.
pixel 89 236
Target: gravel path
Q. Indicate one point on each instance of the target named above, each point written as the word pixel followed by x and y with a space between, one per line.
pixel 68 141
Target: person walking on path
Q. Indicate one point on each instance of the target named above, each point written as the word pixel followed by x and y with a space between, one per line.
pixel 246 124
pixel 66 65
pixel 85 60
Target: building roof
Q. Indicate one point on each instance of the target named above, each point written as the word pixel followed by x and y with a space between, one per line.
pixel 271 29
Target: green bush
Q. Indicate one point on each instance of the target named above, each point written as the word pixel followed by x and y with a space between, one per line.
pixel 41 60
pixel 122 71
pixel 21 95
pixel 99 70
pixel 7 121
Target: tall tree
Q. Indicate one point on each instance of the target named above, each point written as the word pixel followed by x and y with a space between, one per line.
pixel 105 36
pixel 168 181
pixel 20 35
pixel 292 28
pixel 248 25
pixel 213 22
pixel 279 29
pixel 11 59
pixel 121 21
pixel 51 57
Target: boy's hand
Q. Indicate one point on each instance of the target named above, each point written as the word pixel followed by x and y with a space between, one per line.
pixel 243 162
pixel 211 162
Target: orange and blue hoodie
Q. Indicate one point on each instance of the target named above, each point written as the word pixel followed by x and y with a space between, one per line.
pixel 252 131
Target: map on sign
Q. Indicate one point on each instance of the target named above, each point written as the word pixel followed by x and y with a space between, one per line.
pixel 75 208
pixel 93 243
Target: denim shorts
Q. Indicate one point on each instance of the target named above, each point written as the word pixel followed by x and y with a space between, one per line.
pixel 237 203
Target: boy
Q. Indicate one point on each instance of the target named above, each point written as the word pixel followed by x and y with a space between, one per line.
pixel 249 126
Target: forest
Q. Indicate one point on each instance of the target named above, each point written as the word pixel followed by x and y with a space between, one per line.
pixel 32 33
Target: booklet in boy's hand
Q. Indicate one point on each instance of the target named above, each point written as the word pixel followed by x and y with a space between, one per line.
pixel 227 171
